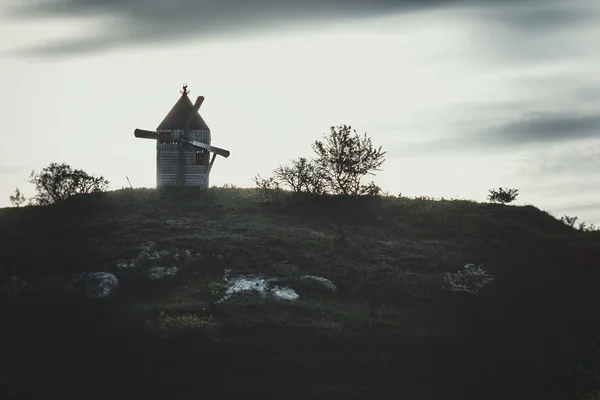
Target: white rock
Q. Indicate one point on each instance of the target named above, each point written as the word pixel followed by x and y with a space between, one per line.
pixel 125 264
pixel 156 273
pixel 284 293
pixel 245 284
pixel 258 285
pixel 326 282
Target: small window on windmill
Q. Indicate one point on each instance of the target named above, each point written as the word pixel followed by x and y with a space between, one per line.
pixel 199 156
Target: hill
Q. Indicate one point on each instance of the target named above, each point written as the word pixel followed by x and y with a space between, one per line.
pixel 354 303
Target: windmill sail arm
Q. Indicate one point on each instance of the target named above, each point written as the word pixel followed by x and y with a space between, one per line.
pixel 143 134
pixel 190 119
pixel 222 152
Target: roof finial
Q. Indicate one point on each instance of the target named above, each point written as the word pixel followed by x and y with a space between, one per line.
pixel 185 89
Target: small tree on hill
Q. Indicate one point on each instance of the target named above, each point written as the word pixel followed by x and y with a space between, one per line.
pixel 503 196
pixel 344 158
pixel 59 181
pixel 570 221
pixel 583 226
pixel 302 176
pixel 17 199
pixel 266 183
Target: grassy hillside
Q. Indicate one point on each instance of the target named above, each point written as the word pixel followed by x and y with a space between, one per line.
pixel 389 330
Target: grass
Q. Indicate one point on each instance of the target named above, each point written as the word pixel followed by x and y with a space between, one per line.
pixel 389 330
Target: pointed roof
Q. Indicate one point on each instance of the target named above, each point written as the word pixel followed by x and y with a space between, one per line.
pixel 179 114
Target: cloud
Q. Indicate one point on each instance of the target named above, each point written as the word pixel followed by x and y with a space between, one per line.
pixel 581 161
pixel 151 21
pixel 529 130
pixel 544 15
pixel 134 22
pixel 543 127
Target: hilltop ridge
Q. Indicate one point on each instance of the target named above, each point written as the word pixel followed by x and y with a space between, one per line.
pixel 390 326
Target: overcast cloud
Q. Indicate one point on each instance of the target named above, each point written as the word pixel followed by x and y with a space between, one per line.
pixel 525 133
pixel 135 22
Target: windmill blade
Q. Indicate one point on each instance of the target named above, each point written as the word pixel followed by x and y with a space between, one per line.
pixel 143 134
pixel 222 152
pixel 193 112
pixel 212 161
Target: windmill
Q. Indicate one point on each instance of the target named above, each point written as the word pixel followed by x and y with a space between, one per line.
pixel 183 145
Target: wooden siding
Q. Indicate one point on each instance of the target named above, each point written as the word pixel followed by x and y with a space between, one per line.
pixel 167 156
pixel 200 136
pixel 167 162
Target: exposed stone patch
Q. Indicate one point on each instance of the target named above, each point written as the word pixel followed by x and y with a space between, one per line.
pixel 326 282
pixel 256 285
pixel 156 273
pixel 157 263
pixel 265 287
pixel 284 293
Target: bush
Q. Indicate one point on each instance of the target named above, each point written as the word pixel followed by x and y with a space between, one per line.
pixel 266 183
pixel 569 221
pixel 471 279
pixel 302 176
pixel 17 199
pixel 59 181
pixel 588 228
pixel 503 196
pixel 584 227
pixel 342 160
pixel 345 158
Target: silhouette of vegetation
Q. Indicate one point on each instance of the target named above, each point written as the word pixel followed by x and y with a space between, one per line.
pixel 345 158
pixel 302 176
pixel 569 221
pixel 17 199
pixel 341 162
pixel 57 182
pixel 583 226
pixel 266 183
pixel 503 196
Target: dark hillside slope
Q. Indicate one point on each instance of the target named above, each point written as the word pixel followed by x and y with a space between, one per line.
pixel 389 329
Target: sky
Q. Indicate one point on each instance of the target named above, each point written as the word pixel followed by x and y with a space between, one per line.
pixel 464 96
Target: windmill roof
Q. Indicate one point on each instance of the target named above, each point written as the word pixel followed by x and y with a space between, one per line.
pixel 179 114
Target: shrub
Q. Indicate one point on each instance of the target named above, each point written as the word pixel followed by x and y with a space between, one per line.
pixel 342 160
pixel 17 199
pixel 471 279
pixel 302 176
pixel 584 227
pixel 266 183
pixel 59 181
pixel 569 221
pixel 588 228
pixel 345 158
pixel 424 198
pixel 503 196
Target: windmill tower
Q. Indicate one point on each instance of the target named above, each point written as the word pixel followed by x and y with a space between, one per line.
pixel 183 145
